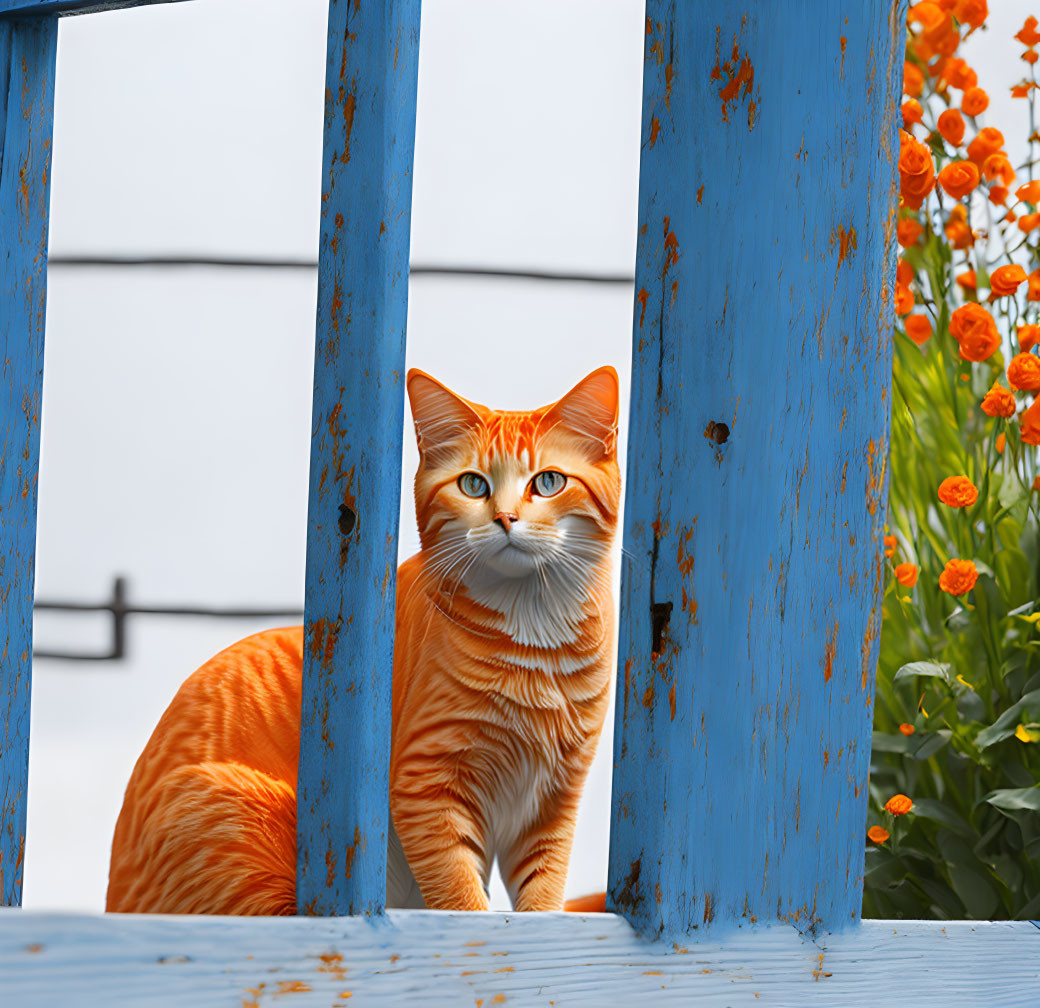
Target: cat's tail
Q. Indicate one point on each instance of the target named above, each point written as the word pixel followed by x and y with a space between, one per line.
pixel 593 903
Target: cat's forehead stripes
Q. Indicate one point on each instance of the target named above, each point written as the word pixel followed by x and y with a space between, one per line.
pixel 509 435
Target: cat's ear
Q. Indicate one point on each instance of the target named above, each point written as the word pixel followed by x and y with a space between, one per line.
pixel 590 409
pixel 441 417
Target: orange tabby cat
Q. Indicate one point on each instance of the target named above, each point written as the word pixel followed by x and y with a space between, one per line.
pixel 502 664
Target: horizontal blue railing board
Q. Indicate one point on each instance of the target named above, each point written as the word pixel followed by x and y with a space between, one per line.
pixel 21 8
pixel 756 475
pixel 27 60
pixel 425 957
pixel 355 474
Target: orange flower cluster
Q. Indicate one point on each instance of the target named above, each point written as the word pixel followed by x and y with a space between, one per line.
pixel 1028 337
pixel 1029 424
pixel 958 577
pixel 959 178
pixel 918 328
pixel 878 834
pixel 1005 280
pixel 998 402
pixel 916 171
pixel 898 805
pixel 906 728
pixel 906 574
pixel 958 492
pixel 1023 373
pixel 975 332
pixel 959 235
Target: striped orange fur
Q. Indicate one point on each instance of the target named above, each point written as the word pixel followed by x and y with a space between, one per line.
pixel 502 663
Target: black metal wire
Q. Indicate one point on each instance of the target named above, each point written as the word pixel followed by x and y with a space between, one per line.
pixel 120 609
pixel 418 269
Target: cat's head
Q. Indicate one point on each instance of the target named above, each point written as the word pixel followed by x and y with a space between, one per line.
pixel 505 495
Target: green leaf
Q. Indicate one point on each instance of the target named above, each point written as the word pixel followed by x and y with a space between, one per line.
pixel 889 871
pixel 1015 798
pixel 1030 911
pixel 942 896
pixel 1005 725
pixel 883 742
pixel 932 808
pixel 931 743
pixel 1011 493
pixel 939 670
pixel 975 892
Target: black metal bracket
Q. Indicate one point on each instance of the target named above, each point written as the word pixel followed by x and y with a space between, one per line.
pixel 120 609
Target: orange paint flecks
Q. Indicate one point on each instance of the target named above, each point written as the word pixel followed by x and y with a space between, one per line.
pixel 844 42
pixel 641 298
pixel 655 128
pixel 736 73
pixel 671 248
pixel 671 703
pixel 352 849
pixel 700 195
pixel 292 987
pixel 846 241
pixel 829 652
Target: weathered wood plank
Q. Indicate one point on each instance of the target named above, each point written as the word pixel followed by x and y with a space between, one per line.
pixel 21 8
pixel 27 59
pixel 413 957
pixel 756 476
pixel 355 475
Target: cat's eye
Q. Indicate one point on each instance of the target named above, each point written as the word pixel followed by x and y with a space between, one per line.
pixel 473 485
pixel 549 483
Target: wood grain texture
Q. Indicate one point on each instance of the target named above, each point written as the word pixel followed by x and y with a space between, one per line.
pixel 21 8
pixel 757 463
pixel 355 475
pixel 27 59
pixel 429 958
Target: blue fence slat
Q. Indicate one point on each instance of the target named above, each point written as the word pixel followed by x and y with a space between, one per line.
pixel 756 475
pixel 355 475
pixel 20 8
pixel 27 56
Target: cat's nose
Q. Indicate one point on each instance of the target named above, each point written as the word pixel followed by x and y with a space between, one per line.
pixel 506 520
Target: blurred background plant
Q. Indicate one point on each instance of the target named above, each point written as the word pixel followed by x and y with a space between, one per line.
pixel 953 825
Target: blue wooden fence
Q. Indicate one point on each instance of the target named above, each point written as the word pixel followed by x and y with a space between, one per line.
pixel 756 489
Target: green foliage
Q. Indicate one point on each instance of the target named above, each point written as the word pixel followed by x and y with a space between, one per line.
pixel 963 671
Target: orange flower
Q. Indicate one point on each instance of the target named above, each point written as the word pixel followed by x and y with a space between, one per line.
pixel 1024 372
pixel 904 299
pixel 974 102
pixel 898 804
pixel 1029 423
pixel 998 402
pixel 916 170
pixel 1030 56
pixel 1022 90
pixel 906 574
pixel 912 112
pixel 971 12
pixel 1005 280
pixel 1028 337
pixel 908 231
pixel 878 834
pixel 951 126
pixel 957 231
pixel 975 331
pixel 890 545
pixel 1028 35
pixel 998 195
pixel 904 272
pixel 997 166
pixel 958 492
pixel 1028 222
pixel 1030 192
pixel 958 178
pixel 958 578
pixel 967 280
pixel 918 328
pixel 1033 291
pixel 958 74
pixel 1000 443
pixel 1010 217
pixel 913 80
pixel 987 141
pixel 1036 484
pixel 906 728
